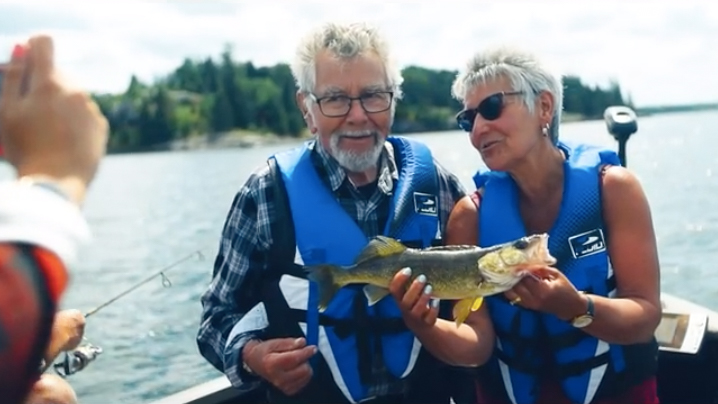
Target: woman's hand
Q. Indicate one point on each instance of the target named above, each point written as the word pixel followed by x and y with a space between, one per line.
pixel 413 302
pixel 549 291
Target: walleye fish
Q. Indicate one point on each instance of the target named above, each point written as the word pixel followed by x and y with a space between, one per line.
pixel 458 272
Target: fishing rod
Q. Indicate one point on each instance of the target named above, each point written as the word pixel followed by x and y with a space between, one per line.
pixel 79 358
pixel 161 273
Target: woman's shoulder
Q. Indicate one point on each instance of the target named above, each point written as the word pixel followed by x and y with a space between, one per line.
pixel 476 197
pixel 617 179
pixel 462 227
pixel 622 195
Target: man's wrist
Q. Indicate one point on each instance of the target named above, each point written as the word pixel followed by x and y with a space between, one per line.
pixel 245 355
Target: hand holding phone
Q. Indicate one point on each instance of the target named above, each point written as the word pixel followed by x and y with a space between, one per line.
pixel 49 128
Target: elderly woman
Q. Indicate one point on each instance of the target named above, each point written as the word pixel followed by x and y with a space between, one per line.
pixel 581 332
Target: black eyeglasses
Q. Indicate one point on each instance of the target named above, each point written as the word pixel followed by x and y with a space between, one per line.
pixel 490 108
pixel 335 106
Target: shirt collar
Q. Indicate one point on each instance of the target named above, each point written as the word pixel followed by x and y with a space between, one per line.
pixel 336 174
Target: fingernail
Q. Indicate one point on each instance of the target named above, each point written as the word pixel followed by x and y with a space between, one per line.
pixel 406 271
pixel 427 289
pixel 421 278
pixel 18 51
pixel 314 350
pixel 434 303
pixel 298 341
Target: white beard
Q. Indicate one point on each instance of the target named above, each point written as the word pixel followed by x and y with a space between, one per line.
pixel 351 160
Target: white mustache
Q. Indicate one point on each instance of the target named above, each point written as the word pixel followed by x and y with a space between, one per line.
pixel 362 133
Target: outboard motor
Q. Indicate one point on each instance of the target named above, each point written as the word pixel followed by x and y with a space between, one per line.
pixel 621 123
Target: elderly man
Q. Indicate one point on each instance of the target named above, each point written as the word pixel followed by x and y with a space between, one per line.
pixel 321 203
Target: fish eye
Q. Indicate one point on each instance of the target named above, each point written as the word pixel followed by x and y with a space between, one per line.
pixel 521 244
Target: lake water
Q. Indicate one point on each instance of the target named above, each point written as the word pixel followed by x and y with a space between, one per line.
pixel 150 210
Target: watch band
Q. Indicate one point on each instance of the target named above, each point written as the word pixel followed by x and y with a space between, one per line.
pixel 590 310
pixel 584 320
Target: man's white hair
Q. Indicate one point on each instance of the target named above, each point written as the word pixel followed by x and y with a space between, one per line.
pixel 344 41
pixel 524 70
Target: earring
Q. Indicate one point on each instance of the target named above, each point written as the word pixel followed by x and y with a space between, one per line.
pixel 544 130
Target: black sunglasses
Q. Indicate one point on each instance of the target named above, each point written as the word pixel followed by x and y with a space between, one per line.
pixel 489 108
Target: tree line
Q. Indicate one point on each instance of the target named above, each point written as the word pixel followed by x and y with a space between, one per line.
pixel 211 97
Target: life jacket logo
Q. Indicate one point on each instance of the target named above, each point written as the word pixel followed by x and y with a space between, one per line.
pixel 588 243
pixel 426 204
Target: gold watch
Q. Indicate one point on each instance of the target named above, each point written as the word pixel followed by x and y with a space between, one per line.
pixel 584 320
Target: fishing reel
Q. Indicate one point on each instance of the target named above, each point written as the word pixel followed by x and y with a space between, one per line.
pixel 77 359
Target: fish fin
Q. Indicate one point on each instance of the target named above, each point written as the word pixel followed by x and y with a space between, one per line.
pixel 464 307
pixel 380 246
pixel 452 247
pixel 477 303
pixel 375 293
pixel 324 276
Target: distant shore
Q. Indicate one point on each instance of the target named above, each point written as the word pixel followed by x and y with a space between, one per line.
pixel 233 139
pixel 244 139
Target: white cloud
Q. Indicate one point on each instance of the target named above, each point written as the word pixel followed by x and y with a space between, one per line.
pixel 662 52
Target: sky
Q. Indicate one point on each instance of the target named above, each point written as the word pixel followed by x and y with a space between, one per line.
pixel 661 52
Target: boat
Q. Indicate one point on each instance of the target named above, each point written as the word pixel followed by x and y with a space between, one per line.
pixel 687 335
pixel 687 361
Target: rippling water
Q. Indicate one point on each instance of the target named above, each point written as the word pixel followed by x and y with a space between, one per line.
pixel 149 210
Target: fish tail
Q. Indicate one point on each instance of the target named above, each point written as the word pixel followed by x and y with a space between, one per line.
pixel 324 276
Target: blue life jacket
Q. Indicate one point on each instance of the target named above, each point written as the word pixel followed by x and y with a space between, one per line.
pixel 348 331
pixel 531 343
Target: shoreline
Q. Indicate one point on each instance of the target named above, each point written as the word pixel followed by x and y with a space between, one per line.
pixel 236 139
pixel 246 139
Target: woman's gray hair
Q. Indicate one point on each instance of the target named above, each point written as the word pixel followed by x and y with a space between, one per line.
pixel 345 41
pixel 526 73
